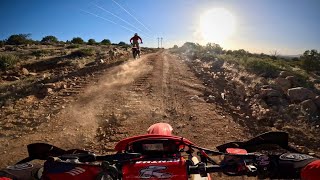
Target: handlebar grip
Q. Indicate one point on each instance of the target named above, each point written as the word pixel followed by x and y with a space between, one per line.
pixel 289 165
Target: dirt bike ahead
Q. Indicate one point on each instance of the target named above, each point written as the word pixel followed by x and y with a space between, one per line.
pixel 135 52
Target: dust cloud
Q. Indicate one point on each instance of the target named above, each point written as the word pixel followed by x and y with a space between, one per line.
pixel 83 114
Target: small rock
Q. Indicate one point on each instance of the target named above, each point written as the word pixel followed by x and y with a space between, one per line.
pixel 317 101
pixel 25 71
pixel 223 96
pixel 269 92
pixel 284 74
pixel 300 94
pixel 309 106
pixel 32 74
pixel 49 91
pixel 293 80
pixel 63 86
pixel 283 83
pixel 50 85
pixel 11 78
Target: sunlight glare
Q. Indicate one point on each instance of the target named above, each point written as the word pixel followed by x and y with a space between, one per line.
pixel 217 25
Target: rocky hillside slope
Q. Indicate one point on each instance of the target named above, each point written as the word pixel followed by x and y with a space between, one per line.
pixel 260 103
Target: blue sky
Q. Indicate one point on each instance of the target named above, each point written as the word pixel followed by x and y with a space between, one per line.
pixel 288 26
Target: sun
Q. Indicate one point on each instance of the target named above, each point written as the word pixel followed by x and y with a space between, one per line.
pixel 217 25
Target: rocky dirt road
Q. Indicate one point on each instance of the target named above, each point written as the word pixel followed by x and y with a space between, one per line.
pixel 126 100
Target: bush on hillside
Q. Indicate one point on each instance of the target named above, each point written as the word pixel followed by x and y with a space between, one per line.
pixel 121 43
pixel 49 40
pixel 77 40
pixel 106 42
pixel 42 53
pixel 73 46
pixel 262 68
pixel 8 61
pixel 310 60
pixel 19 39
pixel 91 42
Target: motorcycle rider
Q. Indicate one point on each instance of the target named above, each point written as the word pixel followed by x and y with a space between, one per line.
pixel 135 40
pixel 160 128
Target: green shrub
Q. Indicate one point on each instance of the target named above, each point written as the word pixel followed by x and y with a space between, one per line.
pixel 19 39
pixel 83 52
pixel 262 68
pixel 8 61
pixel 310 60
pixel 49 40
pixel 73 46
pixel 91 42
pixel 77 40
pixel 106 42
pixel 121 43
pixel 207 57
pixel 41 53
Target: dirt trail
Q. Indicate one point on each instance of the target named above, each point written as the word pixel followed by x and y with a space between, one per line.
pixel 125 102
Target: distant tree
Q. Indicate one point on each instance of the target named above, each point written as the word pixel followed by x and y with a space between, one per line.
pixel 49 40
pixel 77 40
pixel 19 39
pixel 310 60
pixel 274 54
pixel 213 48
pixel 106 42
pixel 240 52
pixel 175 47
pixel 190 47
pixel 91 42
pixel 68 42
pixel 121 43
pixel 229 52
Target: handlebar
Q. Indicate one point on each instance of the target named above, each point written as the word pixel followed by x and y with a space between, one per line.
pixel 284 166
pixel 203 170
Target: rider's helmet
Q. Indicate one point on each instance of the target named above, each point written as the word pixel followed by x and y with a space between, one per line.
pixel 136 34
pixel 160 128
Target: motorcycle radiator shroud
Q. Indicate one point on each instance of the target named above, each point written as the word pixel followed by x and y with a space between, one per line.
pixel 163 159
pixel 174 169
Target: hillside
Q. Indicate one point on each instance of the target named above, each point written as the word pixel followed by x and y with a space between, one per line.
pixel 261 92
